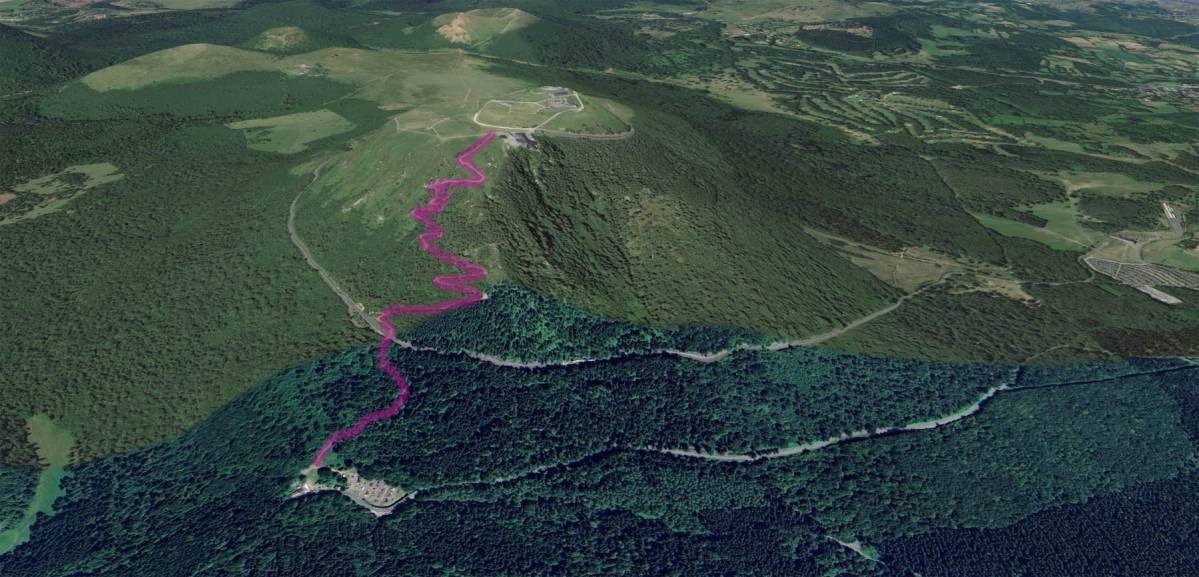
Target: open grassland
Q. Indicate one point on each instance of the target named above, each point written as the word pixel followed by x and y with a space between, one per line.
pixel 355 218
pixel 431 93
pixel 42 196
pixel 1175 253
pixel 192 62
pixel 555 109
pixel 1042 235
pixel 513 115
pixel 54 445
pixel 912 269
pixel 1064 228
pixel 291 133
pixel 83 177
pixel 599 116
pixel 1104 183
pixel 384 76
pixel 1063 220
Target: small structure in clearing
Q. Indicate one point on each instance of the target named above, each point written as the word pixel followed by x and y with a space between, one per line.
pixel 374 495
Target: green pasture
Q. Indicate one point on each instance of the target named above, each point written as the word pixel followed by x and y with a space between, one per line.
pixel 292 133
pixel 54 444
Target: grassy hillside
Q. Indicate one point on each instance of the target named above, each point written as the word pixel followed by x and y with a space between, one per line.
pixel 479 26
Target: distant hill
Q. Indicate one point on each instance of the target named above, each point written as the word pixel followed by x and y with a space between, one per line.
pixel 477 26
pixel 29 61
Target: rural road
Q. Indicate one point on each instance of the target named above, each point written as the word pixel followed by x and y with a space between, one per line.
pixel 912 427
pixel 837 439
pixel 353 308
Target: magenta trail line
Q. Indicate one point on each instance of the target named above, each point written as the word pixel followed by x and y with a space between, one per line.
pixel 458 283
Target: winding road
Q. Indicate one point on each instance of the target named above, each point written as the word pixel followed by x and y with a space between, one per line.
pixel 456 283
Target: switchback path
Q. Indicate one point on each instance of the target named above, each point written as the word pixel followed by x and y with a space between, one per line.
pixel 458 283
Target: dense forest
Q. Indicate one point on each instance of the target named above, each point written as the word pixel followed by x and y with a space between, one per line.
pixel 16 489
pixel 184 262
pixel 755 401
pixel 891 198
pixel 535 328
pixel 1145 529
pixel 539 471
